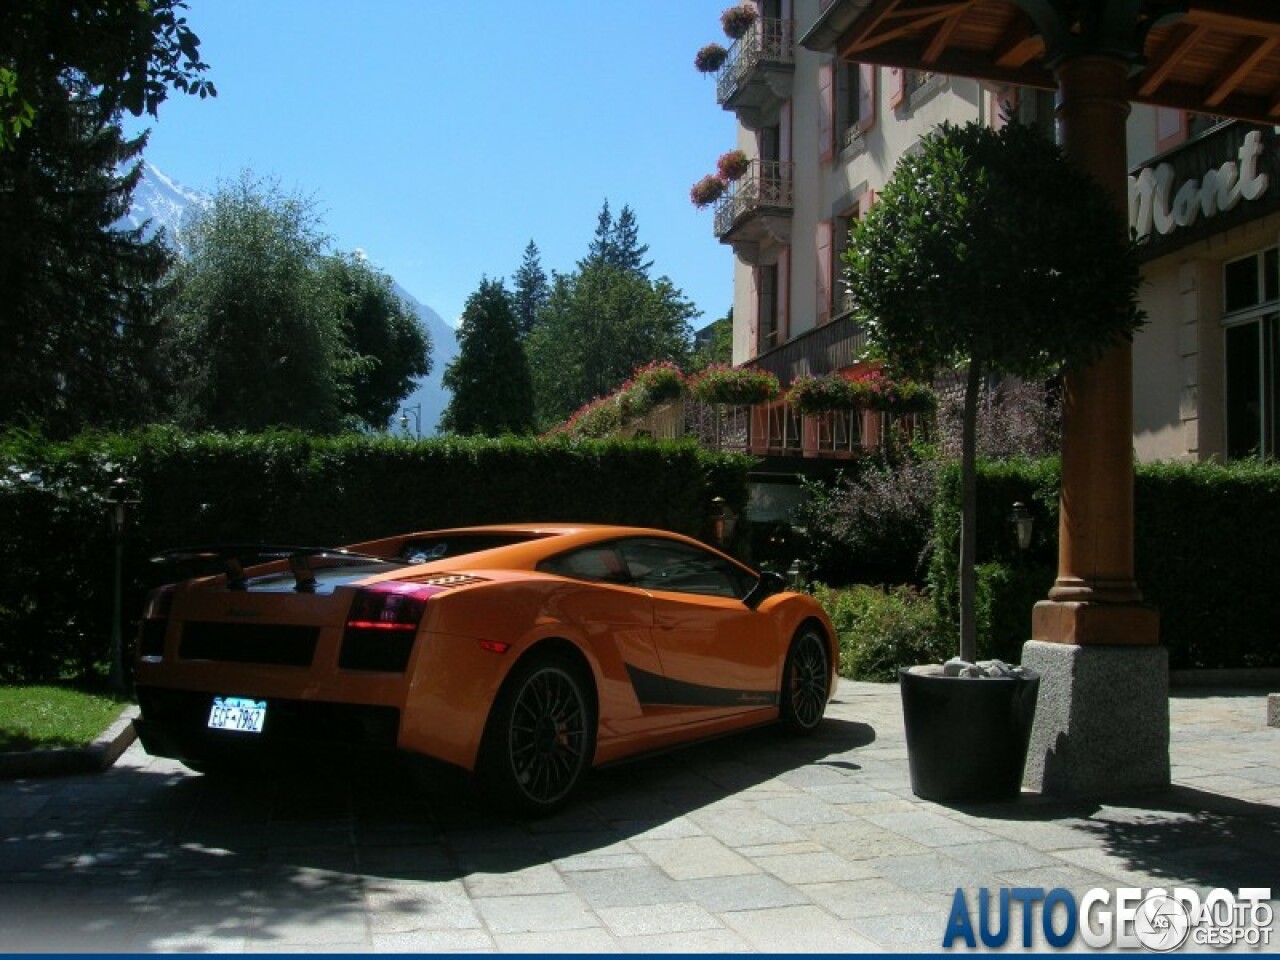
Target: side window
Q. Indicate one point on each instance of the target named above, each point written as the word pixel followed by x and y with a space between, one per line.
pixel 682 568
pixel 598 563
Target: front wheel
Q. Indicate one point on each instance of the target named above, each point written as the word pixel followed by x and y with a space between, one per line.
pixel 804 682
pixel 541 735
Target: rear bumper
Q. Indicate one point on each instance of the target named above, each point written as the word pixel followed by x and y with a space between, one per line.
pixel 174 723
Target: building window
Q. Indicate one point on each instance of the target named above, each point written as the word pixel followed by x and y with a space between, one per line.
pixel 769 143
pixel 1251 288
pixel 768 308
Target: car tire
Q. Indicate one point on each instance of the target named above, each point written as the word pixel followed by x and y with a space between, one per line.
pixel 805 678
pixel 541 735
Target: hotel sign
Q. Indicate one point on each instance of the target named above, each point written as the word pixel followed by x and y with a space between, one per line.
pixel 1211 183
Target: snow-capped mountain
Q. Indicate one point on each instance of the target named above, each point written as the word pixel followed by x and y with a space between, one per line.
pixel 166 204
pixel 163 202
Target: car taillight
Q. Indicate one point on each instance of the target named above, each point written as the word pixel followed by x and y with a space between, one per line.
pixel 381 625
pixel 155 622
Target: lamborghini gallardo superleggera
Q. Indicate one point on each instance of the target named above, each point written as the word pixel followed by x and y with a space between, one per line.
pixel 526 654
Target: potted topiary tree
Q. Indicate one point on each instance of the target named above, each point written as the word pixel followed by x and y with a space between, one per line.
pixel 989 253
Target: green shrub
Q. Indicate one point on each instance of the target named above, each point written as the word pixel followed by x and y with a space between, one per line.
pixel 57 554
pixel 1006 594
pixel 872 525
pixel 1206 547
pixel 881 630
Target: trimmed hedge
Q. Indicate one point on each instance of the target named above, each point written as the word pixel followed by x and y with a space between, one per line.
pixel 1207 544
pixel 57 554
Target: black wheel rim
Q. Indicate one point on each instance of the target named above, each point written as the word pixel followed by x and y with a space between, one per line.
pixel 548 738
pixel 809 681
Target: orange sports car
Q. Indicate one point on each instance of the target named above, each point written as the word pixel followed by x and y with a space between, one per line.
pixel 525 653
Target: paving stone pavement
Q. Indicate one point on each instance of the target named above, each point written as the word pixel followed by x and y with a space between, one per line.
pixel 754 843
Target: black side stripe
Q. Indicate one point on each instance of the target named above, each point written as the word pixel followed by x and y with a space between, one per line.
pixel 653 690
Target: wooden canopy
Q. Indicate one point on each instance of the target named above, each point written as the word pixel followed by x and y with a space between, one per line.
pixel 1208 56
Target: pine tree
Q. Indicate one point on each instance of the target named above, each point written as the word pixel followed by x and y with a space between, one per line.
pixel 531 290
pixel 626 250
pixel 78 326
pixel 489 379
pixel 617 243
pixel 601 248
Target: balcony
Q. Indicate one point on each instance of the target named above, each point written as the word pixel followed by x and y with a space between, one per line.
pixel 754 215
pixel 756 78
pixel 837 345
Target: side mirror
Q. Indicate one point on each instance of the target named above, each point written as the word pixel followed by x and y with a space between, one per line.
pixel 768 584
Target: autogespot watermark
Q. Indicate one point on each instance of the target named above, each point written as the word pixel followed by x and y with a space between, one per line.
pixel 1158 920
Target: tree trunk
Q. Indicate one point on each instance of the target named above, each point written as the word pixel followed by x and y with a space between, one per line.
pixel 968 516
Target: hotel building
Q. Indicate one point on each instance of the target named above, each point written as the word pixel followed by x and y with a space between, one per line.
pixel 823 136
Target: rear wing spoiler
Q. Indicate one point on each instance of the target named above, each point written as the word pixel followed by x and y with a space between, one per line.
pixel 232 556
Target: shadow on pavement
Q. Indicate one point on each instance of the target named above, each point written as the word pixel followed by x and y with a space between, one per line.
pixel 1185 834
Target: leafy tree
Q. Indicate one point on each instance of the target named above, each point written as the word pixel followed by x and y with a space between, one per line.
pixel 989 251
pixel 531 290
pixel 714 343
pixel 489 379
pixel 599 325
pixel 78 327
pixel 389 347
pixel 125 54
pixel 257 337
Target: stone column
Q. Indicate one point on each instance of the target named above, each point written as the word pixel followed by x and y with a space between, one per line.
pixel 1103 719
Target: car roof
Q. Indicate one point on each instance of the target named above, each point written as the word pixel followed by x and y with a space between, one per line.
pixel 546 540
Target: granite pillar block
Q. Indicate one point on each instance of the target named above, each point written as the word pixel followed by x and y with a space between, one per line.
pixel 1102 721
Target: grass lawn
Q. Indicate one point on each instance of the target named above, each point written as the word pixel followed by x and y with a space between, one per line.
pixel 54 716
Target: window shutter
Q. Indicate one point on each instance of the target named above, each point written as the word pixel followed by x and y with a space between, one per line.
pixel 784 296
pixel 897 86
pixel 753 316
pixel 824 271
pixel 867 73
pixel 826 111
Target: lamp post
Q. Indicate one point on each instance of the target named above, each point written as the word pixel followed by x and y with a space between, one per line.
pixel 416 410
pixel 118 501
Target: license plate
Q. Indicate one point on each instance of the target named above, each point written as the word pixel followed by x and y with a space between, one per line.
pixel 237 714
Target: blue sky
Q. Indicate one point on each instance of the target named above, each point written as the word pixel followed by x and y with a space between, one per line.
pixel 441 137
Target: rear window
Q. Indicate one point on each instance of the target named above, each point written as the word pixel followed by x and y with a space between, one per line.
pixel 428 549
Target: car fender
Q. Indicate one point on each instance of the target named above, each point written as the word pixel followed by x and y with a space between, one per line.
pixel 471 641
pixel 790 611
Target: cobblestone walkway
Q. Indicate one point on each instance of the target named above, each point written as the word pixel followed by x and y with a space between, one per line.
pixel 753 843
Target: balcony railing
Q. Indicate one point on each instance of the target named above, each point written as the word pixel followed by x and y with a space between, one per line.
pixel 767 186
pixel 768 43
pixel 775 429
pixel 833 346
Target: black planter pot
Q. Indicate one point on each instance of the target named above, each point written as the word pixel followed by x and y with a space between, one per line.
pixel 967 738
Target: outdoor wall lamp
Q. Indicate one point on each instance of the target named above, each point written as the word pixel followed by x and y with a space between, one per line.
pixel 1023 523
pixel 416 410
